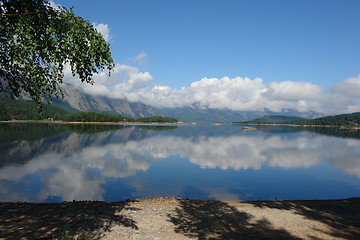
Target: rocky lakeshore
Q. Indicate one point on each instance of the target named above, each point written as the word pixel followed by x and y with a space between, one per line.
pixel 171 218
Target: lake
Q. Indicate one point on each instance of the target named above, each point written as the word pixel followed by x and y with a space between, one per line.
pixel 61 162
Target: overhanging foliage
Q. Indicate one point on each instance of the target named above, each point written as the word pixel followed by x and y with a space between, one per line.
pixel 37 40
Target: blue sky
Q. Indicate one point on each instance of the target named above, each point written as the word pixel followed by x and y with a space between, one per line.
pixel 179 43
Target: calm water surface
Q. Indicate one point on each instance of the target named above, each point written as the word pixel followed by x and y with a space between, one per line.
pixel 54 163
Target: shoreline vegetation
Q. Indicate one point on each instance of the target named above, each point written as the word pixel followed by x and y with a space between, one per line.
pixel 174 218
pixel 342 121
pixel 23 110
pixel 297 125
pixel 26 111
pixel 179 122
pixel 92 123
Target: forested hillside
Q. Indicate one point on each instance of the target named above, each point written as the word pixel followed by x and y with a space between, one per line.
pixel 11 109
pixel 96 117
pixel 274 119
pixel 157 119
pixel 106 117
pixel 27 110
pixel 337 120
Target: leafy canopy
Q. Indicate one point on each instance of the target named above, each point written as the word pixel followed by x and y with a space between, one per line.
pixel 37 40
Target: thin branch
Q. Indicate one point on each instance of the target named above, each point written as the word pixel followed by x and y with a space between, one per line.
pixel 18 14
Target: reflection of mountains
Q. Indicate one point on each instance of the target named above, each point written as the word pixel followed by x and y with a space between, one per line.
pixel 21 151
pixel 76 166
pixel 227 149
pixel 336 132
pixel 328 131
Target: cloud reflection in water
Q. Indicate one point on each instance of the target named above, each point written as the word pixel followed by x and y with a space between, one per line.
pixel 77 166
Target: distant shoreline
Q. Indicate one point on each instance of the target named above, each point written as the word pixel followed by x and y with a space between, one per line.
pixel 296 125
pixel 93 123
pixel 179 123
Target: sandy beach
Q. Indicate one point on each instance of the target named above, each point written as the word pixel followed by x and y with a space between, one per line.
pixel 171 218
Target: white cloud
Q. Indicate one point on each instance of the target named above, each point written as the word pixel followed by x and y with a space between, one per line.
pixel 344 97
pixel 244 94
pixel 140 58
pixel 68 173
pixel 237 93
pixel 54 5
pixel 124 82
pixel 103 29
pixel 349 87
pixel 293 91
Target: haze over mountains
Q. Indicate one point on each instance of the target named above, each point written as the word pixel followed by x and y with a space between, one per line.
pixel 223 99
pixel 75 99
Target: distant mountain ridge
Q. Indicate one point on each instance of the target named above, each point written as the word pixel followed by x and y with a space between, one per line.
pixel 352 119
pixel 11 109
pixel 275 119
pixel 196 114
pixel 75 99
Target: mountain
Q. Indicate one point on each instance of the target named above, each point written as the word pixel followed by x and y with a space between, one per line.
pixel 196 114
pixel 352 119
pixel 27 110
pixel 76 99
pixel 275 119
pixel 336 120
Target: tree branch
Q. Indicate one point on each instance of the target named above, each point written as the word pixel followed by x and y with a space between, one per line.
pixel 17 14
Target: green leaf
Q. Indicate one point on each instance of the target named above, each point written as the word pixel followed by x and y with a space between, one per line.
pixel 37 40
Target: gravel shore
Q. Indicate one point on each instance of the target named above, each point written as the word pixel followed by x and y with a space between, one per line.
pixel 171 218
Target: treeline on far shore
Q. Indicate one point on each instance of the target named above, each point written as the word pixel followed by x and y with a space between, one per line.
pixel 11 109
pixel 349 120
pixel 352 119
pixel 107 117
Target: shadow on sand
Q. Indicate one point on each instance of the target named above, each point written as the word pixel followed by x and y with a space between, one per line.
pixel 218 220
pixel 46 221
pixel 342 216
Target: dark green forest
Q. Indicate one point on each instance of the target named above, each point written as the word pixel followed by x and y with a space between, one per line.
pixel 13 109
pixel 106 117
pixel 27 110
pixel 92 128
pixel 337 120
pixel 157 119
pixel 95 117
pixel 16 132
pixel 274 119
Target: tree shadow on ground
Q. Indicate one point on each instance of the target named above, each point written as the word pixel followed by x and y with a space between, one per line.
pixel 342 216
pixel 48 221
pixel 218 220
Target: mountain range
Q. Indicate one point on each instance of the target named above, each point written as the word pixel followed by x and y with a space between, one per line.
pixel 274 119
pixel 75 99
pixel 196 114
